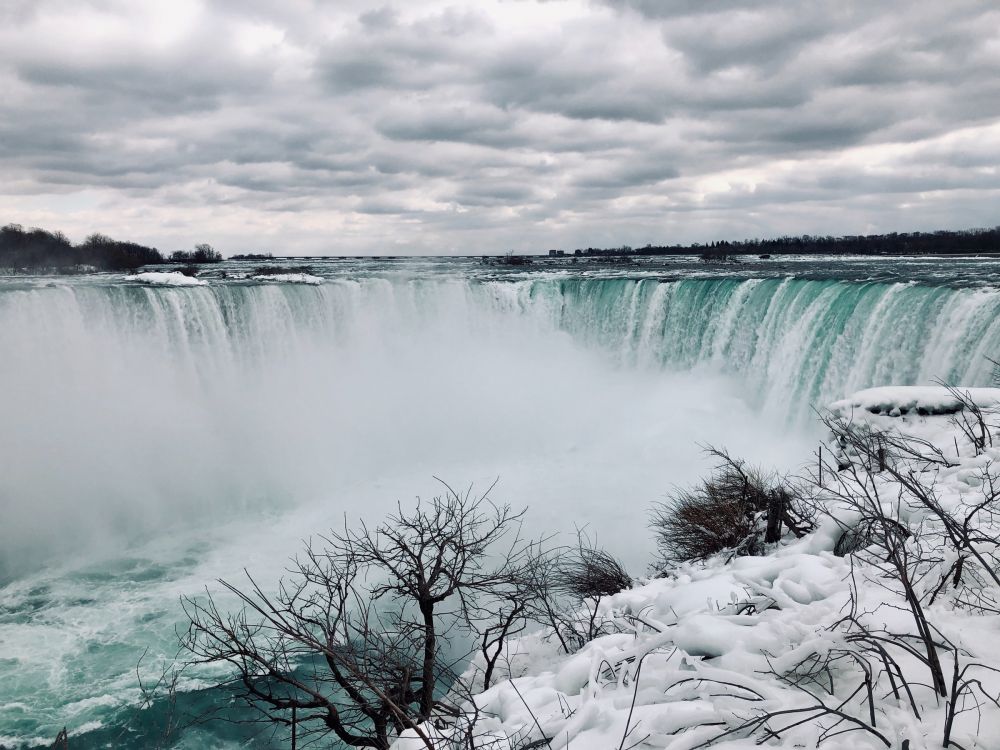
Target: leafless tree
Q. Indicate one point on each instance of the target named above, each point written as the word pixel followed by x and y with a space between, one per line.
pixel 353 641
pixel 512 618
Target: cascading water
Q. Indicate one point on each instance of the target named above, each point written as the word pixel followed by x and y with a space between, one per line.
pixel 797 343
pixel 154 438
pixel 142 392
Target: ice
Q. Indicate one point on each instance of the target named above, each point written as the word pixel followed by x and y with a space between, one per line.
pixel 168 278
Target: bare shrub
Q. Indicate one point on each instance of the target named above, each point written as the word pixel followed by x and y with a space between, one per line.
pixel 896 536
pixel 907 547
pixel 737 509
pixel 898 557
pixel 585 575
pixel 564 587
pixel 588 572
pixel 545 603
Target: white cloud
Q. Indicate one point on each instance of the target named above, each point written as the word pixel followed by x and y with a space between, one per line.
pixel 322 126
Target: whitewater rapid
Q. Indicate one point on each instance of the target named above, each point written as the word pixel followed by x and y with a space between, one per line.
pixel 156 437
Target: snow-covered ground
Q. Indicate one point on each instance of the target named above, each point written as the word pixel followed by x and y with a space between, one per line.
pixel 774 650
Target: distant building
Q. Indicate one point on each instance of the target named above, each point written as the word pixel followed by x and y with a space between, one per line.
pixel 556 253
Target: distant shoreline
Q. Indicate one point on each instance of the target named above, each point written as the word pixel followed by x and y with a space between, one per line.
pixel 36 251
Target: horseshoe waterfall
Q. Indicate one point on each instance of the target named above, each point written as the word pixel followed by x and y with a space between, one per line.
pixel 157 436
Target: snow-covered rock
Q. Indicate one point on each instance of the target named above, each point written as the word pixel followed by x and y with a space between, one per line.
pixel 168 278
pixel 902 400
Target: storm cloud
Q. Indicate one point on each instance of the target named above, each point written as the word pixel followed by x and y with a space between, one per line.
pixel 313 126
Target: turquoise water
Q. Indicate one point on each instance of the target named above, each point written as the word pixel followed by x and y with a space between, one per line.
pixel 156 438
pixel 797 343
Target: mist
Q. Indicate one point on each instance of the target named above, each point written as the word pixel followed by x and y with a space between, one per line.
pixel 129 411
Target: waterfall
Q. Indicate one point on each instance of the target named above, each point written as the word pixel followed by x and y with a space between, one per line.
pixel 795 343
pixel 137 394
pixel 153 439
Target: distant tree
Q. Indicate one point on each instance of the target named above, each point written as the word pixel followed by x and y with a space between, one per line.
pixel 205 253
pixel 37 250
pixel 252 256
pixel 967 241
pixel 202 253
pixel 105 253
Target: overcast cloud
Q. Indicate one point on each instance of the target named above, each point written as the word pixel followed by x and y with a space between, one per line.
pixel 322 126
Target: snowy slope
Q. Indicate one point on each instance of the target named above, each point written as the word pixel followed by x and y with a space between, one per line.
pixel 699 657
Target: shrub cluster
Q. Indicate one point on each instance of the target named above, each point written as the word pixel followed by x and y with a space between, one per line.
pixel 202 253
pixel 737 509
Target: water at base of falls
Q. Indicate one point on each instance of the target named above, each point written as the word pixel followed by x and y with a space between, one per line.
pixel 155 439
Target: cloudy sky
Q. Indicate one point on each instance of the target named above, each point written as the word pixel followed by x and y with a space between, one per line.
pixel 339 126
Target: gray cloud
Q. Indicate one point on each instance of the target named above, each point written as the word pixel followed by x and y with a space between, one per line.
pixel 434 126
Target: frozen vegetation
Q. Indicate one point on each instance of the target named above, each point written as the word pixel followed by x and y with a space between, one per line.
pixel 854 606
pixel 875 629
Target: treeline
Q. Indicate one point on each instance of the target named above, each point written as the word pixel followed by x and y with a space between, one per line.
pixel 37 250
pixel 201 254
pixel 943 242
pixel 25 250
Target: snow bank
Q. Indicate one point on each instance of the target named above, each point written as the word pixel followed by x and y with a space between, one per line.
pixel 696 658
pixel 290 278
pixel 682 640
pixel 930 413
pixel 902 400
pixel 168 278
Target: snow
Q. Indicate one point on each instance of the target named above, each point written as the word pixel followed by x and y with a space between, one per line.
pixel 691 658
pixel 291 278
pixel 682 665
pixel 899 401
pixel 925 412
pixel 168 278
